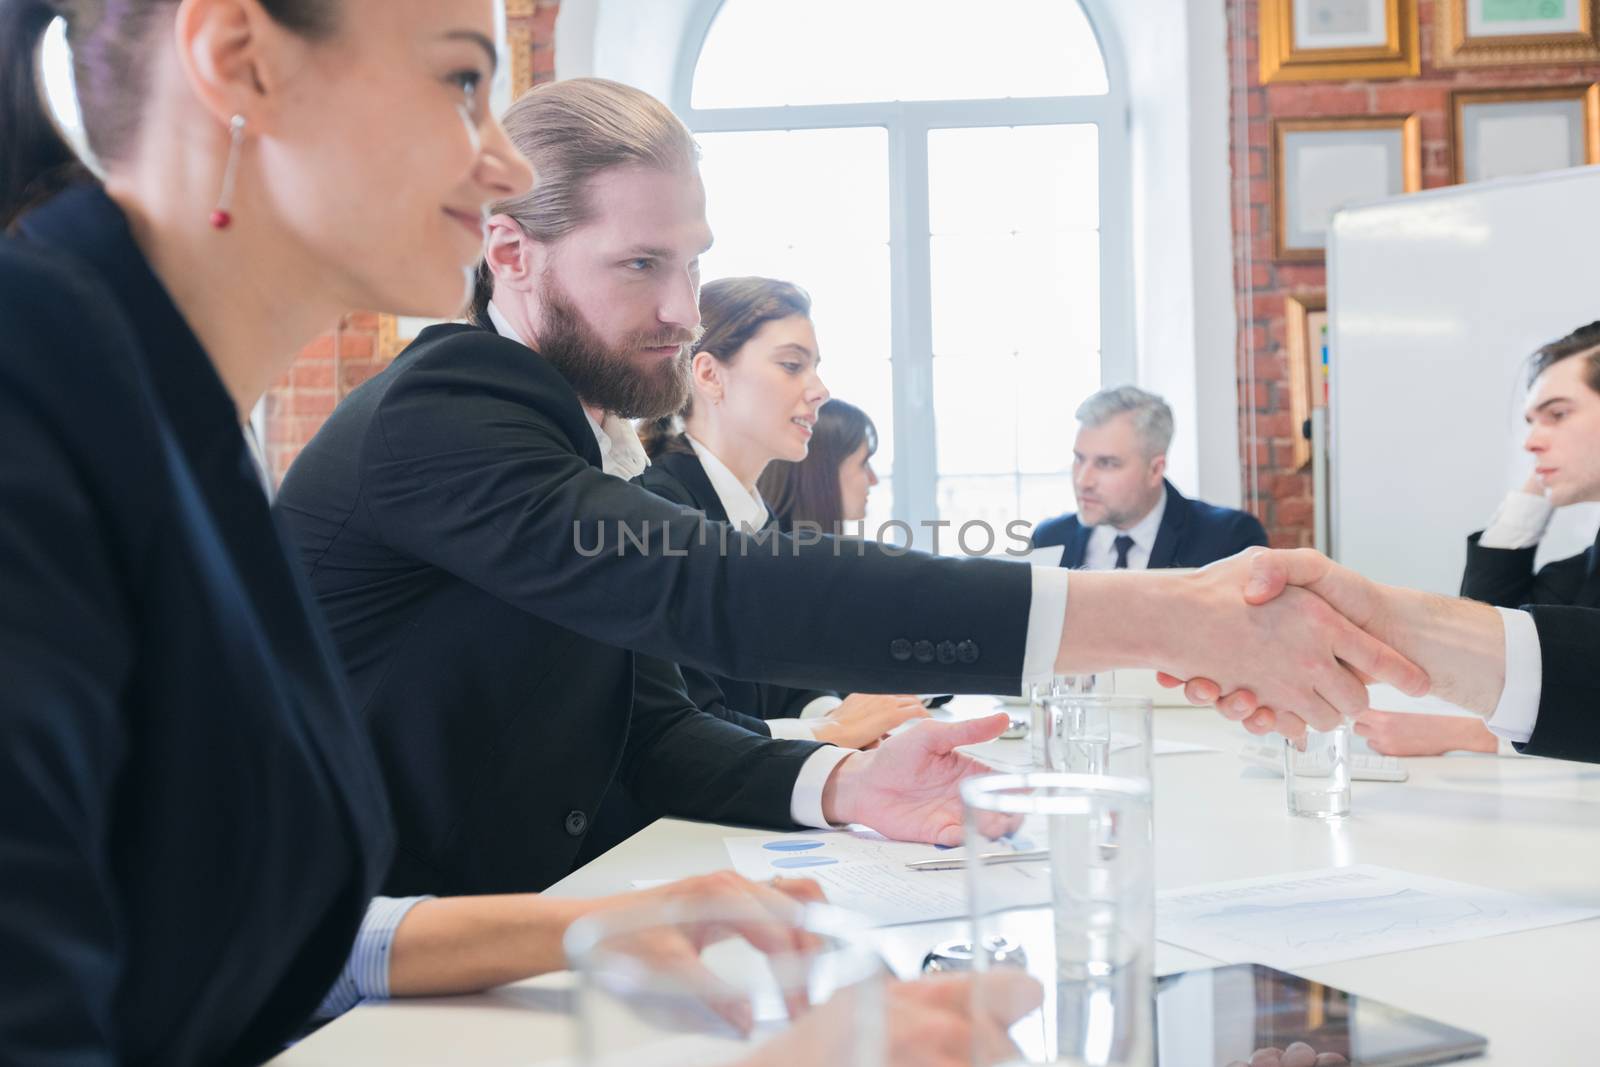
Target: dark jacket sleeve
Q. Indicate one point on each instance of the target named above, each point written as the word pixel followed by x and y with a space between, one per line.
pixel 63 658
pixel 1505 577
pixel 1569 697
pixel 680 760
pixel 707 695
pixel 1247 532
pixel 474 474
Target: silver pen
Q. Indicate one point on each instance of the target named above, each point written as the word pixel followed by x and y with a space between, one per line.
pixel 957 862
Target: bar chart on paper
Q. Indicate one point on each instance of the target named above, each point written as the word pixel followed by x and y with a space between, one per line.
pixel 1344 913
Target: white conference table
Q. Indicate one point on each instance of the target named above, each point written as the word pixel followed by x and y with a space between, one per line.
pixel 1523 825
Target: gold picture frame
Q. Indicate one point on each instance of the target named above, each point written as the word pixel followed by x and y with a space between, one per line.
pixel 1588 96
pixel 1304 315
pixel 1455 46
pixel 1287 55
pixel 1284 224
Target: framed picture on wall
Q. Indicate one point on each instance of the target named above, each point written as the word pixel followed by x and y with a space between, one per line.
pixel 1306 324
pixel 1505 133
pixel 1482 33
pixel 1330 40
pixel 1322 165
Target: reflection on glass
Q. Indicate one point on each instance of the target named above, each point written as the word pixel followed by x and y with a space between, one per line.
pixel 764 52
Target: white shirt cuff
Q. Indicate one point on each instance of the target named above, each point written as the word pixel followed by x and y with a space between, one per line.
pixel 1518 711
pixel 791 730
pixel 366 972
pixel 1520 522
pixel 820 707
pixel 1047 614
pixel 805 805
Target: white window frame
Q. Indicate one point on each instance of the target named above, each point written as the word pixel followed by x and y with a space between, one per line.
pixel 916 470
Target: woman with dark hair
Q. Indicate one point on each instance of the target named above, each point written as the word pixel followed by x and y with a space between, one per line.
pixel 192 826
pixel 754 401
pixel 830 486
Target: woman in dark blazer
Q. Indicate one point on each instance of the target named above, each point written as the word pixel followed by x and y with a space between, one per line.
pixel 755 400
pixel 191 823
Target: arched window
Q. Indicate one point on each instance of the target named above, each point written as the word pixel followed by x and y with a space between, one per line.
pixel 950 182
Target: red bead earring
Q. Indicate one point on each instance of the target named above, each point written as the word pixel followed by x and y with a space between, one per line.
pixel 222 217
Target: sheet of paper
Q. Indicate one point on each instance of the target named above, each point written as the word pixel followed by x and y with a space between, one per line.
pixel 1342 913
pixel 867 874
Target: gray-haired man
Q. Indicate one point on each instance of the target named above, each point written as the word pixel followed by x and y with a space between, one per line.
pixel 1129 516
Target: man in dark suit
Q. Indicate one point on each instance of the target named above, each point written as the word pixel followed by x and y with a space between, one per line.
pixel 1563 413
pixel 1129 516
pixel 504 600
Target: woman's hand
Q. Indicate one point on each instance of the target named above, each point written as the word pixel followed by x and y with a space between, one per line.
pixel 864 719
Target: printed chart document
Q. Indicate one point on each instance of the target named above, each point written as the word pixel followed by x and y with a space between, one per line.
pixel 866 872
pixel 1342 913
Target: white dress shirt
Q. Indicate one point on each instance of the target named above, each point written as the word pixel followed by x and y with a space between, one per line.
pixel 1101 552
pixel 1519 522
pixel 1047 614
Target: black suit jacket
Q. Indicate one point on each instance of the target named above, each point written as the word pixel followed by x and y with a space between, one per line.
pixel 1565 593
pixel 190 822
pixel 1191 534
pixel 1505 577
pixel 681 478
pixel 465 545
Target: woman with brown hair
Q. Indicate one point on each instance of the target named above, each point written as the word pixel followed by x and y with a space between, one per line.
pixel 754 401
pixel 192 826
pixel 830 486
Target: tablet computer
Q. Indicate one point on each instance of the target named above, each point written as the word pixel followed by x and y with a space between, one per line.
pixel 1226 1015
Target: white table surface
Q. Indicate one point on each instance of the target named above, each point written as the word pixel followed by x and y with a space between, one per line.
pixel 1523 825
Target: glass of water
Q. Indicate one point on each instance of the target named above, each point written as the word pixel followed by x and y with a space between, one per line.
pixel 1096 733
pixel 1069 879
pixel 688 983
pixel 1316 773
pixel 1039 721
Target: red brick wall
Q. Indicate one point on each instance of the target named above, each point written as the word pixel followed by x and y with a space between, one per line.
pixel 342 359
pixel 1285 494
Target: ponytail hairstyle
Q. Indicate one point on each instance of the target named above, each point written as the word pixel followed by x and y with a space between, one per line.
pixel 732 310
pixel 809 491
pixel 110 42
pixel 1583 342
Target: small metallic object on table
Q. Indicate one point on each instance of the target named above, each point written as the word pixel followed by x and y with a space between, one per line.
pixel 949 957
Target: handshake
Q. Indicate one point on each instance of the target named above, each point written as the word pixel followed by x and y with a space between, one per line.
pixel 1283 640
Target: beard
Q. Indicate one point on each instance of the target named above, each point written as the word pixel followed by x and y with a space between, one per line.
pixel 606 377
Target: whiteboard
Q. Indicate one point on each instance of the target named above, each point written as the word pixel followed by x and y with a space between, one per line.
pixel 1435 302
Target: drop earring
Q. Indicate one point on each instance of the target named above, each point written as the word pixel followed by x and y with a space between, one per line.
pixel 222 216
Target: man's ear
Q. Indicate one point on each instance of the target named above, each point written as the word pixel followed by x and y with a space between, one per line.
pixel 1158 467
pixel 516 259
pixel 233 55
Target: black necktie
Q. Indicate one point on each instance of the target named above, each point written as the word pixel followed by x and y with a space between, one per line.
pixel 1122 544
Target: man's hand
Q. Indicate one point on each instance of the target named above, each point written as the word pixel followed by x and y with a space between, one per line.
pixel 1293 651
pixel 926 1023
pixel 909 787
pixel 862 719
pixel 1396 733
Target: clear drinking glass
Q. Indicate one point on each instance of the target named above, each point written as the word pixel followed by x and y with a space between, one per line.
pixel 1039 721
pixel 691 983
pixel 1081 905
pixel 1095 733
pixel 1316 773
